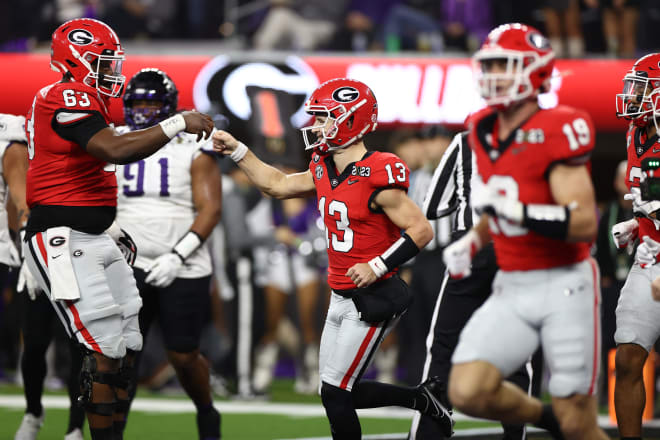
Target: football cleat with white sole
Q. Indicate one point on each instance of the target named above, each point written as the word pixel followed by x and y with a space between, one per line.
pixel 30 427
pixel 76 434
pixel 440 412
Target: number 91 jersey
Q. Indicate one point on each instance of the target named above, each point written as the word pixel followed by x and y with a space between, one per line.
pixel 519 167
pixel 354 232
pixel 155 203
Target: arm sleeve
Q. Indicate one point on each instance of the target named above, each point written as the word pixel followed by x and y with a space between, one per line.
pixel 77 125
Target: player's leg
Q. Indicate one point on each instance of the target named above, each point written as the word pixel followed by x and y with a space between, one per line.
pixel 637 328
pixel 184 306
pixel 485 354
pixel 76 413
pixel 570 337
pixel 37 326
pixel 306 279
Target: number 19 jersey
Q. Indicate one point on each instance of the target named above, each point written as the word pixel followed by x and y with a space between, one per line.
pixel 519 167
pixel 354 232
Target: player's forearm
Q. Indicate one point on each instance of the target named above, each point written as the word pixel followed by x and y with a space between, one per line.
pixel 206 220
pixel 582 226
pixel 482 230
pixel 267 178
pixel 135 145
pixel 421 232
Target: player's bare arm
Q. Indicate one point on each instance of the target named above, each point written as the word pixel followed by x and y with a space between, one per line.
pixel 129 147
pixel 206 184
pixel 268 179
pixel 405 214
pixel 15 165
pixel 571 186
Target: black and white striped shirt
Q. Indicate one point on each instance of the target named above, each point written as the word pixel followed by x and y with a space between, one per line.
pixel 449 190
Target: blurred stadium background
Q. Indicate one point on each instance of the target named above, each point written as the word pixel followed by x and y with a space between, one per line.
pixel 251 65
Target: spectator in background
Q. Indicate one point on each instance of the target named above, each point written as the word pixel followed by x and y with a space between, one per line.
pixel 299 24
pixel 363 25
pixel 620 19
pixel 562 18
pixel 141 18
pixel 614 264
pixel 413 25
pixel 465 23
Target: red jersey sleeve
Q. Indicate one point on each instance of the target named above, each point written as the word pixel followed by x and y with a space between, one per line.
pixel 570 136
pixel 389 171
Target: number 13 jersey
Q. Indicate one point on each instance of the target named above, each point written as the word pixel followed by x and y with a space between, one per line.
pixel 354 232
pixel 519 167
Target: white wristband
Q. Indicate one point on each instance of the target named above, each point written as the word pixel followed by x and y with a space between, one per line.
pixel 378 266
pixel 239 153
pixel 173 125
pixel 187 245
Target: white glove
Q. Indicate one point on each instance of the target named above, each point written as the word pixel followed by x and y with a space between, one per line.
pixel 485 199
pixel 27 282
pixel 644 207
pixel 625 233
pixel 458 255
pixel 164 270
pixel 647 251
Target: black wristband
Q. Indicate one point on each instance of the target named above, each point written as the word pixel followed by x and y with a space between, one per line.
pixel 400 252
pixel 547 220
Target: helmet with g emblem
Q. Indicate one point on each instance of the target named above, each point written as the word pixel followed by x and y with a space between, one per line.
pixel 90 51
pixel 348 109
pixel 639 101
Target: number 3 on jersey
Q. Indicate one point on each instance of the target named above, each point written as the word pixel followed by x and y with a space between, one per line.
pixel 336 209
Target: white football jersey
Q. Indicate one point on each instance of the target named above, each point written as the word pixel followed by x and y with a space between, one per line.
pixel 155 204
pixel 12 129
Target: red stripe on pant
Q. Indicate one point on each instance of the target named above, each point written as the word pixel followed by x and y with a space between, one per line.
pixel 358 357
pixel 42 247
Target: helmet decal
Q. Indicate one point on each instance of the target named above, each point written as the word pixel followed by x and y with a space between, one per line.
pixel 538 41
pixel 81 37
pixel 345 94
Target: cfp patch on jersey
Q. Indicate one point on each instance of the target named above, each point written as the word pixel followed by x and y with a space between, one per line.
pixel 334 182
pixel 316 158
pixel 319 172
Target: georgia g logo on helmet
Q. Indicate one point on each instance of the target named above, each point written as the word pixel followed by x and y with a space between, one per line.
pixel 80 37
pixel 345 94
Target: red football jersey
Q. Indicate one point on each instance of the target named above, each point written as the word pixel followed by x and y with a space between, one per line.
pixel 354 232
pixel 519 168
pixel 639 148
pixel 62 172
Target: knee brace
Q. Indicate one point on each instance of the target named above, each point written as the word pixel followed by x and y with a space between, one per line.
pixel 90 375
pixel 126 380
pixel 340 410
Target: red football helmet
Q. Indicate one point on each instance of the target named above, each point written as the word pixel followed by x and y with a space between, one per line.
pixel 90 51
pixel 640 99
pixel 351 111
pixel 529 62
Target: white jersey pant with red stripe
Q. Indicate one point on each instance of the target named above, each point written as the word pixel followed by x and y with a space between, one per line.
pixel 105 318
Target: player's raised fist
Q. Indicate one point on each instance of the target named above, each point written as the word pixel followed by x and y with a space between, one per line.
pixel 198 123
pixel 224 142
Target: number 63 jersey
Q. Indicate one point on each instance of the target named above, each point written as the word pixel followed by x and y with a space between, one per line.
pixel 519 167
pixel 354 232
pixel 155 203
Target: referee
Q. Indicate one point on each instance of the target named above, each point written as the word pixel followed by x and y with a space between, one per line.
pixel 449 194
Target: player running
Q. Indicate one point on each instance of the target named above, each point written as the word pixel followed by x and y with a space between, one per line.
pixel 362 200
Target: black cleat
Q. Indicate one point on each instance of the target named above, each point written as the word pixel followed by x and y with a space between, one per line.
pixel 208 424
pixel 438 408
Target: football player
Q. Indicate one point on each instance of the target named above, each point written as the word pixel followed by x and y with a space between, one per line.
pixel 539 209
pixel 169 204
pixel 72 244
pixel 637 326
pixel 371 227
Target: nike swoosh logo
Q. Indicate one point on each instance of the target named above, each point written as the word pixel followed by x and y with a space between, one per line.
pixel 351 182
pixel 656 150
pixel 57 256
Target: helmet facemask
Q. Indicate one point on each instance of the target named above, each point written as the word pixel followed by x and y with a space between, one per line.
pixel 104 71
pixel 318 135
pixel 638 101
pixel 513 84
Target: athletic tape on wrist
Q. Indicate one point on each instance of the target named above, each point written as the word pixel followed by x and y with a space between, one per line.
pixel 378 266
pixel 173 125
pixel 401 251
pixel 188 244
pixel 239 153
